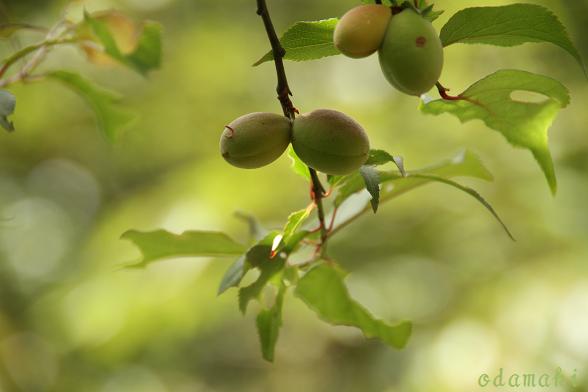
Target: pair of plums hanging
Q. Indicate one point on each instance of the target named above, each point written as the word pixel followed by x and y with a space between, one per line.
pixel 326 140
pixel 409 48
pixel 411 58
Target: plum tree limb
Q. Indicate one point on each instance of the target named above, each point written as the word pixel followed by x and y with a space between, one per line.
pixel 284 94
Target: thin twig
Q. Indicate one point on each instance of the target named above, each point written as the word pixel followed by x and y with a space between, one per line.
pixel 284 94
pixel 54 37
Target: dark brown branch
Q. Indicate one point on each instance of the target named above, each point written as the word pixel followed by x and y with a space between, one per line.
pixel 283 89
pixel 278 52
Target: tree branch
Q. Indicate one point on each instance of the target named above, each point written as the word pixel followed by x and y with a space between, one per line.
pixel 283 89
pixel 278 52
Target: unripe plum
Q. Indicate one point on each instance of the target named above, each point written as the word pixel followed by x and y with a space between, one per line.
pixel 361 30
pixel 330 142
pixel 255 140
pixel 411 56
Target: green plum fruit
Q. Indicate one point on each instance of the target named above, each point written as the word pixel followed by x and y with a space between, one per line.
pixel 411 55
pixel 255 140
pixel 330 142
pixel 361 30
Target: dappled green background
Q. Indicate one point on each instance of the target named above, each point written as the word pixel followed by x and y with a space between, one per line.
pixel 71 320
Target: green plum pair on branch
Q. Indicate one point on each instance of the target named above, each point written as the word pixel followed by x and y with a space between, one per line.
pixel 409 48
pixel 326 140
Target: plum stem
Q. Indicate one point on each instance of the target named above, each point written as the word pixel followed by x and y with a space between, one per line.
pixel 284 93
pixel 443 93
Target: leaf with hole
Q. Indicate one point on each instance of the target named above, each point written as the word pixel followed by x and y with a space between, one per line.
pixel 523 124
pixel 260 256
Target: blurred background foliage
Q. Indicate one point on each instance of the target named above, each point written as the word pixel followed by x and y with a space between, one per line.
pixel 71 320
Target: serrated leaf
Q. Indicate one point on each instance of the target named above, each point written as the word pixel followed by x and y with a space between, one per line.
pixel 161 244
pixel 147 54
pixel 323 290
pixel 260 256
pixel 464 164
pixel 7 29
pixel 233 275
pixel 470 192
pixel 110 116
pixel 523 124
pixel 7 106
pixel 371 178
pixel 268 271
pixel 297 165
pixel 307 41
pixel 508 25
pixel 269 322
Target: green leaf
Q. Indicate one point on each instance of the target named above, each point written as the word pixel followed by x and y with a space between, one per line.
pixel 268 271
pixel 268 323
pixel 381 157
pixel 7 106
pixel 323 290
pixel 160 244
pixel 260 256
pixel 307 41
pixel 147 54
pixel 7 29
pixel 291 236
pixel 523 124
pixel 294 221
pixel 508 25
pixel 464 164
pixel 111 118
pixel 371 178
pixel 470 192
pixel 297 165
pixel 233 275
pixel 431 15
